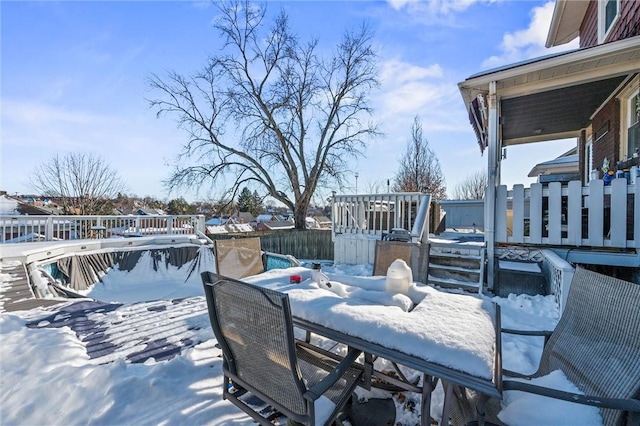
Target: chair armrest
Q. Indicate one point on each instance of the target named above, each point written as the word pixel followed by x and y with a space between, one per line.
pixel 318 390
pixel 527 332
pixel 542 333
pixel 596 401
pixel 510 373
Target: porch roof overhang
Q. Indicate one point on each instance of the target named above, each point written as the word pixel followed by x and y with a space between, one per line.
pixel 565 21
pixel 554 97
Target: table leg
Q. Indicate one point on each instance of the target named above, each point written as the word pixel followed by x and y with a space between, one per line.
pixel 448 390
pixel 428 385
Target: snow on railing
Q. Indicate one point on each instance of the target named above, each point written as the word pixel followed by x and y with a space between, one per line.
pixel 570 214
pixel 377 214
pixel 25 228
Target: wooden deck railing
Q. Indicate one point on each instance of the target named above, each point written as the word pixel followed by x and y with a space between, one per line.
pixel 377 214
pixel 570 215
pixel 49 228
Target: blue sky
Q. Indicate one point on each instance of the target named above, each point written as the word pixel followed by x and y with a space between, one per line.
pixel 74 78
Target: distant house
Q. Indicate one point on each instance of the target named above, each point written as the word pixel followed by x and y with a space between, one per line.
pixel 323 222
pixel 274 225
pixel 8 206
pixel 267 218
pixel 216 221
pixel 243 217
pixel 149 211
pixel 564 168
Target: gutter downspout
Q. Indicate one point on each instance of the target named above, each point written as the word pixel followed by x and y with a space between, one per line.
pixel 492 181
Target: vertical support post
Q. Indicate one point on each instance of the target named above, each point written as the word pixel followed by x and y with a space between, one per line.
pixel 493 180
pixel 49 229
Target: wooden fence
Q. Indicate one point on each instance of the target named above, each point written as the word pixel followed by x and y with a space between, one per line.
pixel 570 214
pixel 302 244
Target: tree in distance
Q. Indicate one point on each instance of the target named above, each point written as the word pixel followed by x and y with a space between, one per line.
pixel 472 187
pixel 83 183
pixel 179 206
pixel 249 202
pixel 419 167
pixel 270 110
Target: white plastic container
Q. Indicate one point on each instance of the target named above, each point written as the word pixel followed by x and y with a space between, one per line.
pixel 399 277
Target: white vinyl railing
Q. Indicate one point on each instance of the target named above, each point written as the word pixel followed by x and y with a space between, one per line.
pixel 570 214
pixel 375 214
pixel 19 228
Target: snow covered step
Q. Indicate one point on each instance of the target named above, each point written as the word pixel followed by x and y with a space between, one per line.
pixel 455 255
pixel 455 265
pixel 452 283
pixel 455 268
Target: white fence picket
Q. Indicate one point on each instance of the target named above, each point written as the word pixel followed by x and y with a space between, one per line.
pixel 555 213
pixel 535 214
pixel 574 210
pixel 618 215
pixel 518 214
pixel 501 224
pixel 596 213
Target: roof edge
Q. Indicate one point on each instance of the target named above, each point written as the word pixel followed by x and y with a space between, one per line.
pixel 566 21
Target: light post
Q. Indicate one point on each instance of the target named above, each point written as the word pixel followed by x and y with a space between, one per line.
pixel 357 182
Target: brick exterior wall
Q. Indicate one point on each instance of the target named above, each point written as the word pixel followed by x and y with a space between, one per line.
pixel 606 135
pixel 582 155
pixel 627 25
pixel 589 27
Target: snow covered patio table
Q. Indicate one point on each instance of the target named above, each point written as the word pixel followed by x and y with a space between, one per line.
pixel 446 336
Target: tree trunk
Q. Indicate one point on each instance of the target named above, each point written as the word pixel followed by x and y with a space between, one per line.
pixel 300 214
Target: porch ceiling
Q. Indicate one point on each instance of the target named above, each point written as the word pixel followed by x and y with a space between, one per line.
pixel 554 97
pixel 562 111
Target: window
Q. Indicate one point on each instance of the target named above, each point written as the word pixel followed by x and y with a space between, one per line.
pixel 630 119
pixel 588 160
pixel 633 132
pixel 608 11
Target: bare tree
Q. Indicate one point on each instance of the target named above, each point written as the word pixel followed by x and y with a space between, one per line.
pixel 84 183
pixel 472 187
pixel 419 167
pixel 297 116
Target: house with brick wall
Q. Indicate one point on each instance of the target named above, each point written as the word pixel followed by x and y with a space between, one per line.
pixel 591 94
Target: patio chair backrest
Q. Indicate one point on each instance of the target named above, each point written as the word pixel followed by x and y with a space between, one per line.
pixel 238 258
pixel 597 340
pixel 253 326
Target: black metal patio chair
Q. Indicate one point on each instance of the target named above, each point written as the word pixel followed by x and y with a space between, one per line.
pixel 254 328
pixel 596 344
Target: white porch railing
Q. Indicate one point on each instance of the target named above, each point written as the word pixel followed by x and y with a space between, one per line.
pixel 376 214
pixel 16 229
pixel 360 220
pixel 569 214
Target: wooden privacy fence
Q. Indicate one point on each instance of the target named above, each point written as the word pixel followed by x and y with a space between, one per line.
pixel 302 244
pixel 570 214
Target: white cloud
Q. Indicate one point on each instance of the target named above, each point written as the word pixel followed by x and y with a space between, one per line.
pixel 31 113
pixel 409 88
pixel 396 72
pixel 529 42
pixel 436 7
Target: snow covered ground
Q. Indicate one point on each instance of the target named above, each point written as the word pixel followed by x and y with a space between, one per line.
pixel 48 378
